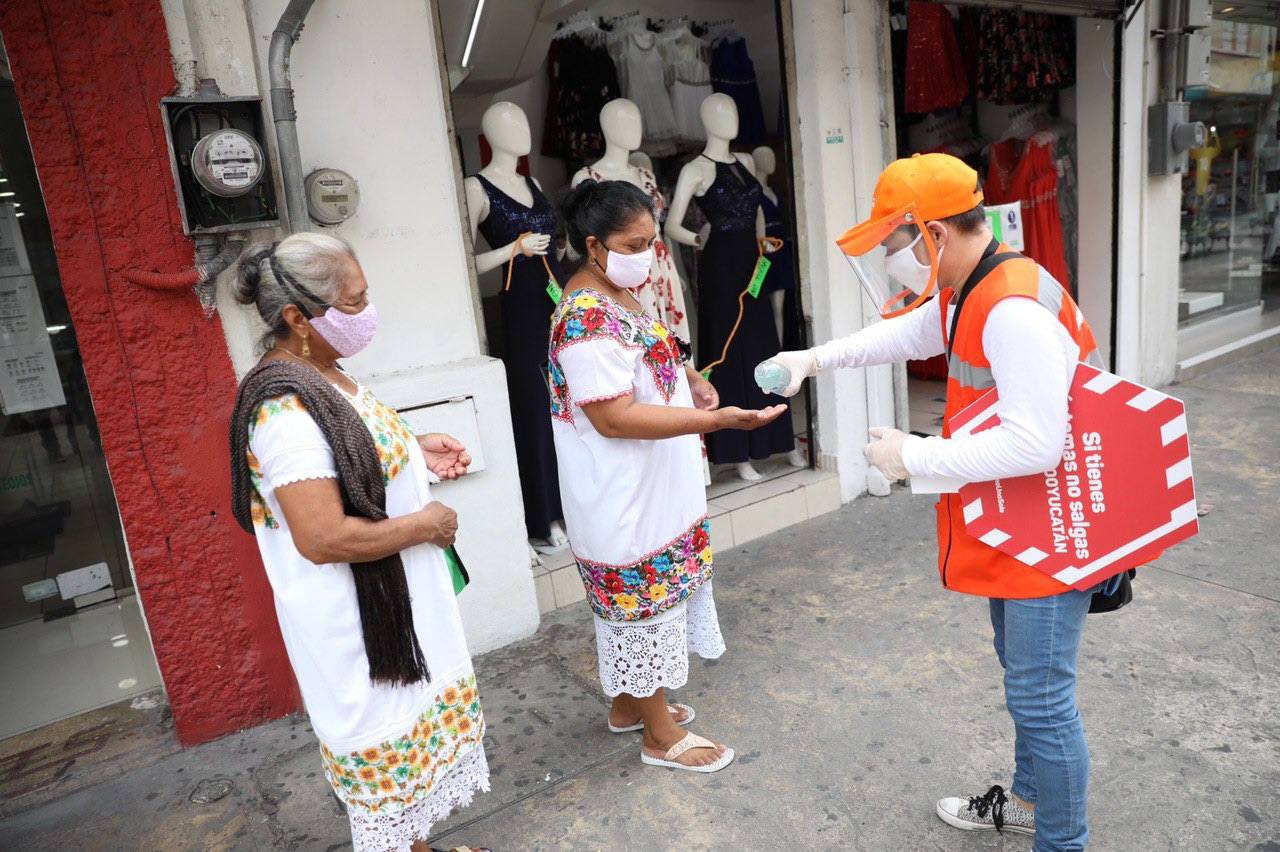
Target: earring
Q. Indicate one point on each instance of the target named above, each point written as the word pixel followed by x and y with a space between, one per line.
pixel 306 347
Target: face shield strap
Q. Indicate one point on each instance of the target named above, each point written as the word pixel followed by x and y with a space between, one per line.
pixel 882 254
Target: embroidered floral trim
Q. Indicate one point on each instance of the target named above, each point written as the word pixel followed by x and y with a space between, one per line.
pixel 391 436
pixel 652 584
pixel 397 773
pixel 590 315
pixel 606 397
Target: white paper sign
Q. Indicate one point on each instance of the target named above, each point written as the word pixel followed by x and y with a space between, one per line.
pixel 21 314
pixel 13 253
pixel 29 379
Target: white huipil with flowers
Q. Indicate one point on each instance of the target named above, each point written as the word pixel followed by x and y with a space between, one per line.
pixel 400 758
pixel 636 510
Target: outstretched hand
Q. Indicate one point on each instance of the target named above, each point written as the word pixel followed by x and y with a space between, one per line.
pixel 741 418
pixel 445 455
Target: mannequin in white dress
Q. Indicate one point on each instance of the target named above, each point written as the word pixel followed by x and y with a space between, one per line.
pixel 623 129
pixel 766 164
pixel 720 119
pixel 506 128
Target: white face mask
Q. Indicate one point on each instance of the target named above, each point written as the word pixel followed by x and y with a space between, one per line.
pixel 628 271
pixel 904 268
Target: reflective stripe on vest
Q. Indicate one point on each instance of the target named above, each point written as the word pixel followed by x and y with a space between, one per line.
pixel 970 375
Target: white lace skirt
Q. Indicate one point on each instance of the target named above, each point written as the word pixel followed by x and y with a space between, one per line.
pixel 397 830
pixel 641 657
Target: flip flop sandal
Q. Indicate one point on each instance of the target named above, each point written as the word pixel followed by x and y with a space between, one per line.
pixel 690 741
pixel 690 715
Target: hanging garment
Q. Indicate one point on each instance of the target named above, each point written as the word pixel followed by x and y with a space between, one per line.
pixel 734 74
pixel 526 325
pixel 1023 57
pixel 1032 180
pixel 581 80
pixel 936 77
pixel 725 270
pixel 689 76
pixel 662 295
pixel 643 75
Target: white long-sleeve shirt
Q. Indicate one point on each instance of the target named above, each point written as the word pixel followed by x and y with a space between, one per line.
pixel 1033 361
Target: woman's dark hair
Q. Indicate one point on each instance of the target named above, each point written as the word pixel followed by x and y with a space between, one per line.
pixel 600 210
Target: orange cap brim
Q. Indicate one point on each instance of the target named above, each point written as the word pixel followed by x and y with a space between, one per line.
pixel 864 237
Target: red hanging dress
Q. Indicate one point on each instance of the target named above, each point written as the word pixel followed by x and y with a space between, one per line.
pixel 936 75
pixel 1031 179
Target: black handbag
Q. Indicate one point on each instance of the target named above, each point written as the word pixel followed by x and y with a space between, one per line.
pixel 1120 597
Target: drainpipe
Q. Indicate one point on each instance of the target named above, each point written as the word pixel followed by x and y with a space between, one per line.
pixel 286 34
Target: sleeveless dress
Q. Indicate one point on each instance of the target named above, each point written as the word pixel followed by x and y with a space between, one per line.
pixel 782 274
pixel 526 323
pixel 724 271
pixel 643 75
pixel 636 509
pixel 690 79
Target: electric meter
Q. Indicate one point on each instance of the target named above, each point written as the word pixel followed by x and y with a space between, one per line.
pixel 332 196
pixel 227 163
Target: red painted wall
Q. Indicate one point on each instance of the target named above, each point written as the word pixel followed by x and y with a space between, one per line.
pixel 89 75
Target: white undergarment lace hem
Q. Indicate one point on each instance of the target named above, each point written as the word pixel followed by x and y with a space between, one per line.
pixel 641 657
pixel 397 830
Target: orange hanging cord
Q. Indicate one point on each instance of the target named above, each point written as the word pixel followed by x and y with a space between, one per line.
pixel 518 248
pixel 774 244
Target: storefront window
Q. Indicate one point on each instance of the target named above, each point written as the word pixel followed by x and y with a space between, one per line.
pixel 1230 215
pixel 71 634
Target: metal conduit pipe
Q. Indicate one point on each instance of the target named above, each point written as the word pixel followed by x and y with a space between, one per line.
pixel 286 34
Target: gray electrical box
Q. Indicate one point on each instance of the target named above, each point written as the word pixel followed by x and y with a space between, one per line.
pixel 1198 41
pixel 1172 134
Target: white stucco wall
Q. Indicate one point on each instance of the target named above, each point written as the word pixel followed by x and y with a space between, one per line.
pixel 369 100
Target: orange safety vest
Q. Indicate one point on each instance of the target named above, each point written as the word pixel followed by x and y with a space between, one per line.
pixel 966 564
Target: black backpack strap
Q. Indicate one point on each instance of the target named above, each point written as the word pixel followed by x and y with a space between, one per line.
pixel 991 258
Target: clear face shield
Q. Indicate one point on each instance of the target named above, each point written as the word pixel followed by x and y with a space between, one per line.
pixel 895 260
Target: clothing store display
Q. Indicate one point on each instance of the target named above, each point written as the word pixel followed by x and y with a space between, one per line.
pixel 1026 172
pixel 662 296
pixel 734 74
pixel 689 77
pixel 526 323
pixel 728 261
pixel 643 75
pixel 581 79
pixel 1023 56
pixel 936 77
pixel 636 509
pixel 781 277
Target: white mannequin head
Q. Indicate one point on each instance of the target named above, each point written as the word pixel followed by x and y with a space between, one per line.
pixel 507 128
pixel 766 162
pixel 621 124
pixel 720 116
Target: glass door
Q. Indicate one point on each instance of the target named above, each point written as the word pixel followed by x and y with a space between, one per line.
pixel 71 633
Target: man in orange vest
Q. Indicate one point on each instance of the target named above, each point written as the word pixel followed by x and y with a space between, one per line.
pixel 1002 321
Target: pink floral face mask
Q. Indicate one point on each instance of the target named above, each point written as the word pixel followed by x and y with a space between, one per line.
pixel 347 333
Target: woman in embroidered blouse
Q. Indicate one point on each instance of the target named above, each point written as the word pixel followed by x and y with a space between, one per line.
pixel 400 750
pixel 627 411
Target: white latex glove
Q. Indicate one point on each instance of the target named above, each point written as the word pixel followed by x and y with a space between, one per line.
pixel 802 365
pixel 885 452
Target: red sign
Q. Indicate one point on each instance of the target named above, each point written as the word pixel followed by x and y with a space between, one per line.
pixel 1120 496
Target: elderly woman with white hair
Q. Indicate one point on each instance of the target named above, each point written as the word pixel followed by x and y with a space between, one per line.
pixel 335 487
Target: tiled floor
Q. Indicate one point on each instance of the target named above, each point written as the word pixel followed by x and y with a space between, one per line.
pixel 55 669
pixel 739 512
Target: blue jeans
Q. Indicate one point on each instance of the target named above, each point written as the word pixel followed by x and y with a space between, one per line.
pixel 1037 641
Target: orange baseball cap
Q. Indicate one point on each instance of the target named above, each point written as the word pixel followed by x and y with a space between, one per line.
pixel 927 186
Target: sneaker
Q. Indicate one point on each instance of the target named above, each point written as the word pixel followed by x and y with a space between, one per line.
pixel 994 811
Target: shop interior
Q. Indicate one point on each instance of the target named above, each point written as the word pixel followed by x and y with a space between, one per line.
pixel 1004 101
pixel 1230 232
pixel 72 636
pixel 645 92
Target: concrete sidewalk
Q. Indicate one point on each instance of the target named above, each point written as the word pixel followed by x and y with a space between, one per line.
pixel 855 690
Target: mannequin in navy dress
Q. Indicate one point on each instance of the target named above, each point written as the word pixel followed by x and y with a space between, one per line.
pixel 504 205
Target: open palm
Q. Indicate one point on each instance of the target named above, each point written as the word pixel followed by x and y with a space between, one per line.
pixel 445 455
